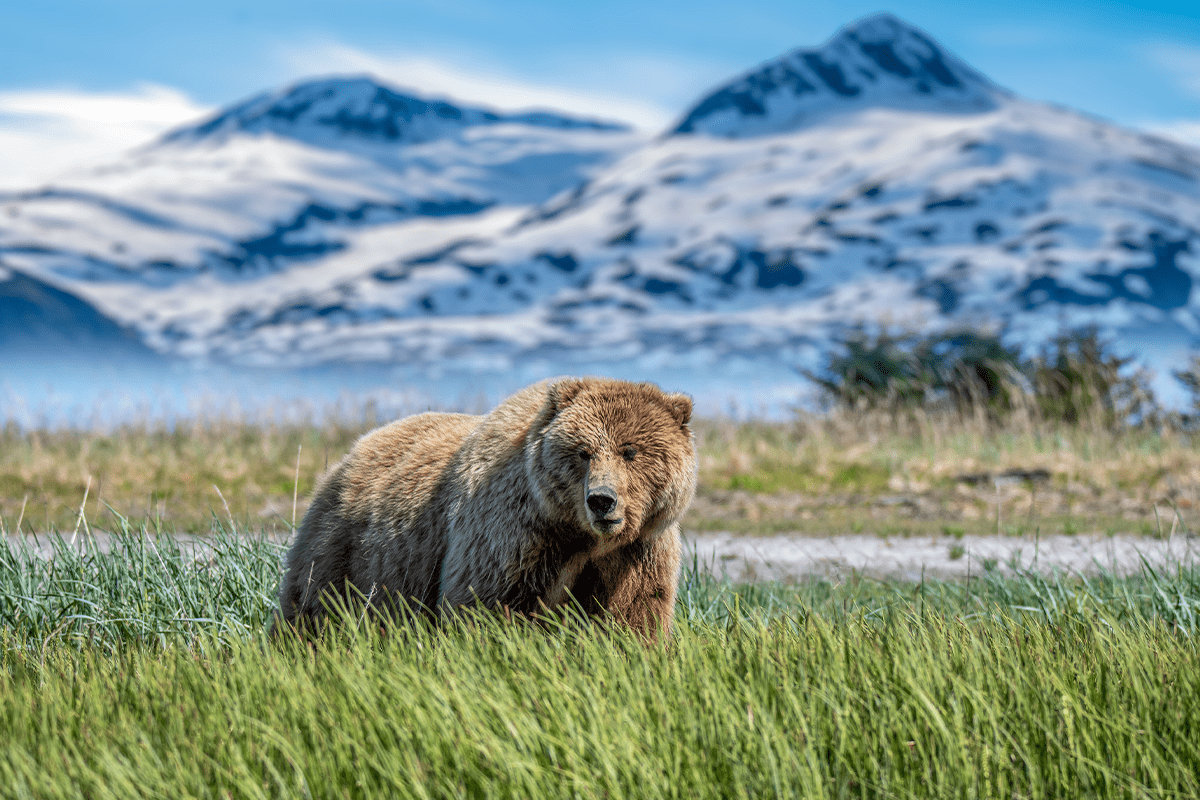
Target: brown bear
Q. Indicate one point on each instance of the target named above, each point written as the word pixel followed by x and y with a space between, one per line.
pixel 572 487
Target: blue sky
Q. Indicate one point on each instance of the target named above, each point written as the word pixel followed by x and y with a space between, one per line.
pixel 81 81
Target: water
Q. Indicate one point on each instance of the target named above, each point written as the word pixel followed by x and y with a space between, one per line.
pixel 100 395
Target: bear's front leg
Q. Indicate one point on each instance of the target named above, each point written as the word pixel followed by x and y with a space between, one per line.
pixel 639 582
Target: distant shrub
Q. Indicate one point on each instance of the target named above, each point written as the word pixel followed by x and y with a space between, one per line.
pixel 964 369
pixel 972 370
pixel 1076 379
pixel 1190 378
pixel 880 370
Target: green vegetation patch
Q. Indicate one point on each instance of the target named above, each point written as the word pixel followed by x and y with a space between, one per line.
pixel 896 704
pixel 142 670
pixel 145 587
pixel 782 477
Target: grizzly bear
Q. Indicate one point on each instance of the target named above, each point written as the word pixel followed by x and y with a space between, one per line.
pixel 570 490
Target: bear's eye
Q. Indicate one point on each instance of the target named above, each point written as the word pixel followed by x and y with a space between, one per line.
pixel 584 455
pixel 629 451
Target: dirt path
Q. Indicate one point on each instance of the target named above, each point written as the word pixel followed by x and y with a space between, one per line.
pixel 784 557
pixel 43 545
pixel 791 557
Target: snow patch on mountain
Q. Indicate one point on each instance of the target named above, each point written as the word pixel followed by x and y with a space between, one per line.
pixel 278 180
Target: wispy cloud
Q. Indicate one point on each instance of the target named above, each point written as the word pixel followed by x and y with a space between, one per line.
pixel 1180 61
pixel 432 76
pixel 44 133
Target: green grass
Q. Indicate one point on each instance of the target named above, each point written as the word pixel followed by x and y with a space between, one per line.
pixel 893 704
pixel 148 588
pixel 143 672
pixel 769 476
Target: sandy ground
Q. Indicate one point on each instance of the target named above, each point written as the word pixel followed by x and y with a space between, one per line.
pixel 43 545
pixel 784 557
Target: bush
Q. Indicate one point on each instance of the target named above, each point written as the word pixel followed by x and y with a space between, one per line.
pixel 964 369
pixel 875 371
pixel 1190 378
pixel 972 370
pixel 1076 379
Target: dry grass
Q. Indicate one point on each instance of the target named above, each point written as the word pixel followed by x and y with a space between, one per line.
pixel 182 476
pixel 903 474
pixel 837 473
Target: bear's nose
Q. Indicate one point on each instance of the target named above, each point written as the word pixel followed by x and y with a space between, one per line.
pixel 601 501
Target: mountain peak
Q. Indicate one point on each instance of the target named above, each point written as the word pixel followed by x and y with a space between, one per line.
pixel 360 107
pixel 879 61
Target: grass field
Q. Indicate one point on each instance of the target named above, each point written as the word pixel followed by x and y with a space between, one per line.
pixel 143 671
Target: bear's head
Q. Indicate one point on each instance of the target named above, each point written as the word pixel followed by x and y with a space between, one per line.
pixel 614 457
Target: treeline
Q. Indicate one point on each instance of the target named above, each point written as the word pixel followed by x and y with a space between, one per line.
pixel 1076 379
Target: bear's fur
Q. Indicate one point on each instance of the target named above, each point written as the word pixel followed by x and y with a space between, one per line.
pixel 569 488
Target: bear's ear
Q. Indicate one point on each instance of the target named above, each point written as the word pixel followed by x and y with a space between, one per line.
pixel 562 393
pixel 680 406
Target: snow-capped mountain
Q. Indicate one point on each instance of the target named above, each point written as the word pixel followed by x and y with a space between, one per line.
pixel 357 113
pixel 876 179
pixel 878 63
pixel 281 179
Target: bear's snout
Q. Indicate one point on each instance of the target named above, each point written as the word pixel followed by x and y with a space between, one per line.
pixel 604 509
pixel 601 500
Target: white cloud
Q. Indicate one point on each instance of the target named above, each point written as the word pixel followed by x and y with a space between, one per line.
pixel 44 133
pixel 431 76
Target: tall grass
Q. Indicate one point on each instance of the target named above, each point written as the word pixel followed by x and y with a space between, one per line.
pixel 871 451
pixel 145 585
pixel 141 670
pixel 152 588
pixel 903 703
pixel 875 469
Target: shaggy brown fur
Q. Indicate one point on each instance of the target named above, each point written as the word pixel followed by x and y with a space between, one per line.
pixel 569 488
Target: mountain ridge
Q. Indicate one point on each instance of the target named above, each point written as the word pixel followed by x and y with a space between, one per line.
pixel 742 246
pixel 363 107
pixel 879 61
pixel 242 201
